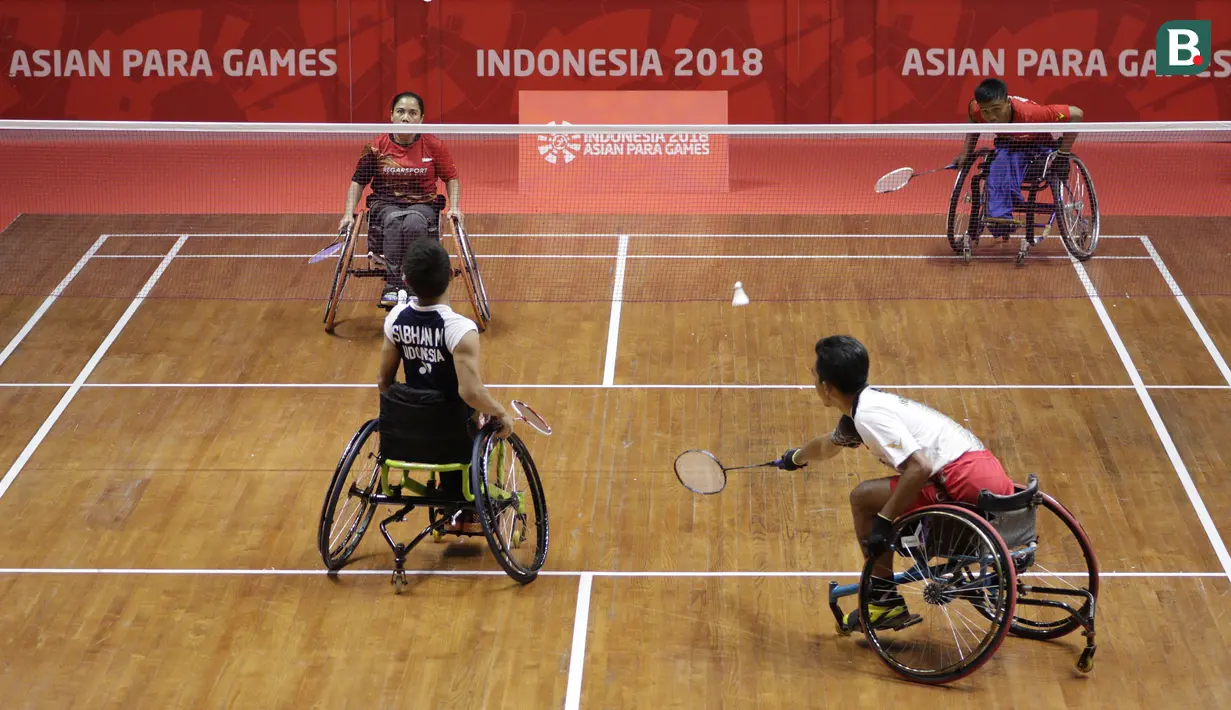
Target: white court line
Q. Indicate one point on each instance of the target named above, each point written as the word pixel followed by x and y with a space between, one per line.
pixel 55 294
pixel 1194 496
pixel 369 385
pixel 705 257
pixel 1185 306
pixel 581 629
pixel 11 221
pixel 801 574
pixel 595 235
pixel 617 304
pixel 86 371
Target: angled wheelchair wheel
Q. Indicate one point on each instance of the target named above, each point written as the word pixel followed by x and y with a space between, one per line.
pixel 348 509
pixel 956 579
pixel 512 506
pixel 966 207
pixel 342 272
pixel 469 272
pixel 1059 568
pixel 1077 211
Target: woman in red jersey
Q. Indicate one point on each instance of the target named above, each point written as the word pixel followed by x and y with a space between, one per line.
pixel 402 169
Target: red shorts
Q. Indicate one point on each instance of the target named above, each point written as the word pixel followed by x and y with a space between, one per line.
pixel 962 480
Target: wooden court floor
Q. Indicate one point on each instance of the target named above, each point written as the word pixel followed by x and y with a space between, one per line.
pixel 171 412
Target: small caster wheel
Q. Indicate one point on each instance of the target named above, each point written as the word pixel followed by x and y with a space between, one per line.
pixel 398 581
pixel 1085 663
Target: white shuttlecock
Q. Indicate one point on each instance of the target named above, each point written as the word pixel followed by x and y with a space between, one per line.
pixel 741 298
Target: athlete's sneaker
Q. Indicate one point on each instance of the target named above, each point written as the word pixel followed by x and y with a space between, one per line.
pixel 885 615
pixel 392 296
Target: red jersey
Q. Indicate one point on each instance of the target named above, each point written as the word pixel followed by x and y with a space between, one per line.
pixel 404 174
pixel 1025 111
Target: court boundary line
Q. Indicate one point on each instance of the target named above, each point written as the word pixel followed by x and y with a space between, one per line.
pixel 617 306
pixel 1160 428
pixel 582 386
pixel 705 257
pixel 11 222
pixel 51 298
pixel 644 574
pixel 87 370
pixel 1185 306
pixel 581 631
pixel 589 235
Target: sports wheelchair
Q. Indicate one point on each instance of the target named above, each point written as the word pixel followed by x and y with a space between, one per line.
pixel 954 557
pixel 511 512
pixel 1073 209
pixel 346 246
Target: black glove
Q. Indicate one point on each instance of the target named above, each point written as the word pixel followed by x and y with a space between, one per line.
pixel 787 462
pixel 877 541
pixel 1060 166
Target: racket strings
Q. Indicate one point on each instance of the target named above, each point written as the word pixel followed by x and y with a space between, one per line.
pixel 700 472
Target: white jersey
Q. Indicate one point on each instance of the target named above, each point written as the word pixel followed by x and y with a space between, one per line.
pixel 894 427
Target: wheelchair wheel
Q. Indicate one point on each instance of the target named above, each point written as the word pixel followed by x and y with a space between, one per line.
pixel 341 273
pixel 946 560
pixel 470 274
pixel 966 206
pixel 1077 211
pixel 354 480
pixel 1063 559
pixel 512 506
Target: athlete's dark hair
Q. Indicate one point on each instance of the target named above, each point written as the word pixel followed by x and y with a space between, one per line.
pixel 991 90
pixel 426 267
pixel 393 104
pixel 842 361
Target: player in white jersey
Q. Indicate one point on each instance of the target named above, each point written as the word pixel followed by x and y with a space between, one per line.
pixel 429 418
pixel 935 458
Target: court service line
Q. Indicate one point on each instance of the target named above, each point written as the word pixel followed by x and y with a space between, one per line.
pixel 617 304
pixel 581 629
pixel 585 574
pixel 1185 306
pixel 86 371
pixel 1194 496
pixel 369 385
pixel 55 294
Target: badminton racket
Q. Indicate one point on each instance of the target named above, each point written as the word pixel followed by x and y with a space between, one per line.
pixel 332 249
pixel 701 472
pixel 531 417
pixel 897 179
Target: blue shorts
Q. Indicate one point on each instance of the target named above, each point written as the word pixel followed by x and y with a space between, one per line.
pixel 1006 175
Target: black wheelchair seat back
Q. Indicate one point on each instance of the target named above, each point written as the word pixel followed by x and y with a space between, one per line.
pixel 423 426
pixel 1013 515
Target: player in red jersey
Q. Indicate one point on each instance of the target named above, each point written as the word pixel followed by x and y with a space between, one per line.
pixel 1015 152
pixel 403 169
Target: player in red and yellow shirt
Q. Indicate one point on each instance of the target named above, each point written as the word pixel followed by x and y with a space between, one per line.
pixel 404 205
pixel 1015 152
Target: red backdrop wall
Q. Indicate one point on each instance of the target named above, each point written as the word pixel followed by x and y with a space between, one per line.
pixel 792 61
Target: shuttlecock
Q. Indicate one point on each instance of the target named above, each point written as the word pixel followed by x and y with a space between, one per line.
pixel 741 298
